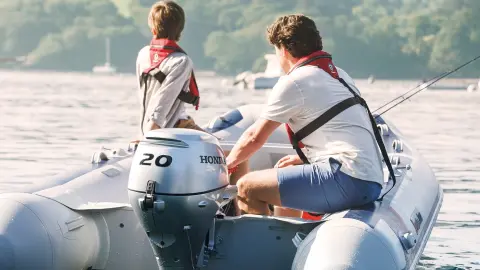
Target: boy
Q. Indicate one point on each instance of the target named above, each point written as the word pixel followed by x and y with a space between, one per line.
pixel 165 72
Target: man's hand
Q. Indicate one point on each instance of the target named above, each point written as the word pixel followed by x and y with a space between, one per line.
pixel 288 161
pixel 232 170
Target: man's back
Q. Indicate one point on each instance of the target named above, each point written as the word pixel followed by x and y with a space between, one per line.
pixel 308 92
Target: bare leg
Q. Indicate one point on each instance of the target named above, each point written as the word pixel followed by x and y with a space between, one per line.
pixel 286 212
pixel 243 168
pixel 256 190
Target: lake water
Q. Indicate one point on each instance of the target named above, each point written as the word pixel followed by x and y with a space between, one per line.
pixel 53 120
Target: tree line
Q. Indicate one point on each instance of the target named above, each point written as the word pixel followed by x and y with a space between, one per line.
pixel 388 38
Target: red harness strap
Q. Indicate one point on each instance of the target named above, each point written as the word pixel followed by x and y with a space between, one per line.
pixel 311 216
pixel 160 49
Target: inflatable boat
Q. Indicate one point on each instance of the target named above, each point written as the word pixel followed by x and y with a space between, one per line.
pixel 160 205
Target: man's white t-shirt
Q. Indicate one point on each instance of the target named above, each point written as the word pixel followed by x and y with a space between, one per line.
pixel 306 93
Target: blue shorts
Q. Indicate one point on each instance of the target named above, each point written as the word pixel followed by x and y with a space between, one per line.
pixel 323 188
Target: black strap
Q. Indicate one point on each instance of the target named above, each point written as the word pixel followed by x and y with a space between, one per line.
pixel 155 73
pixel 319 122
pixel 297 149
pixel 188 97
pixel 331 113
pixel 144 80
pixel 158 75
pixel 327 116
pixel 378 138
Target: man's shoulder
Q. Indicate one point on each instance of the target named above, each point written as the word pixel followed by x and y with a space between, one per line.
pixel 307 77
pixel 311 76
pixel 344 75
pixel 285 83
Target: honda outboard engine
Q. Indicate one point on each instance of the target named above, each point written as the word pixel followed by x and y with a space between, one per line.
pixel 175 187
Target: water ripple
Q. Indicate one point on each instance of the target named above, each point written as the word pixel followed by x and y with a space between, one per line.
pixel 56 120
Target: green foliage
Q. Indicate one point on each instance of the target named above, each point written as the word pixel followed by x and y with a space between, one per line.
pixel 65 34
pixel 388 38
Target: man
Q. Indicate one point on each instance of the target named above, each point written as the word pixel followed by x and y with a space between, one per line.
pixel 165 72
pixel 339 165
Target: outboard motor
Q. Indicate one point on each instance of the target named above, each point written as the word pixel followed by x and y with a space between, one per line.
pixel 176 185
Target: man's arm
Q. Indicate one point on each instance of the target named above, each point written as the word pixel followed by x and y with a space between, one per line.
pixel 250 141
pixel 284 101
pixel 162 100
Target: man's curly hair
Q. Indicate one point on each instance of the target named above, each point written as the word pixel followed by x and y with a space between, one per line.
pixel 296 33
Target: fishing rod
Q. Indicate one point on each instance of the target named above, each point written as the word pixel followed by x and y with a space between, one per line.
pixel 423 86
pixel 411 90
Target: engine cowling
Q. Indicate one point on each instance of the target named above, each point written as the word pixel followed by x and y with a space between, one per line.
pixel 175 187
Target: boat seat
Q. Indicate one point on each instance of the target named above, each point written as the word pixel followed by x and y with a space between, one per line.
pixel 227 208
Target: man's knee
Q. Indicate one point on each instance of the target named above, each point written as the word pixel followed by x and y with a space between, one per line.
pixel 257 184
pixel 243 186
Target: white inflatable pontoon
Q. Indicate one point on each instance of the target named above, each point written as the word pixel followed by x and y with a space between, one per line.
pixel 160 207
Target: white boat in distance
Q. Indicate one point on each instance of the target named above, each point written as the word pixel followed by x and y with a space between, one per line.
pixel 261 80
pixel 106 68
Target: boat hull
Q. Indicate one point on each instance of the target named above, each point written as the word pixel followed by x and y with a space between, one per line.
pixel 83 219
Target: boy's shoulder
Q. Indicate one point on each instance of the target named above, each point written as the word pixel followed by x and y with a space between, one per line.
pixel 175 57
pixel 144 50
pixel 143 57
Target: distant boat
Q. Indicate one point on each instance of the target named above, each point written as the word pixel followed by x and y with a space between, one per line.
pixel 371 79
pixel 453 87
pixel 469 85
pixel 261 80
pixel 448 87
pixel 106 68
pixel 18 59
